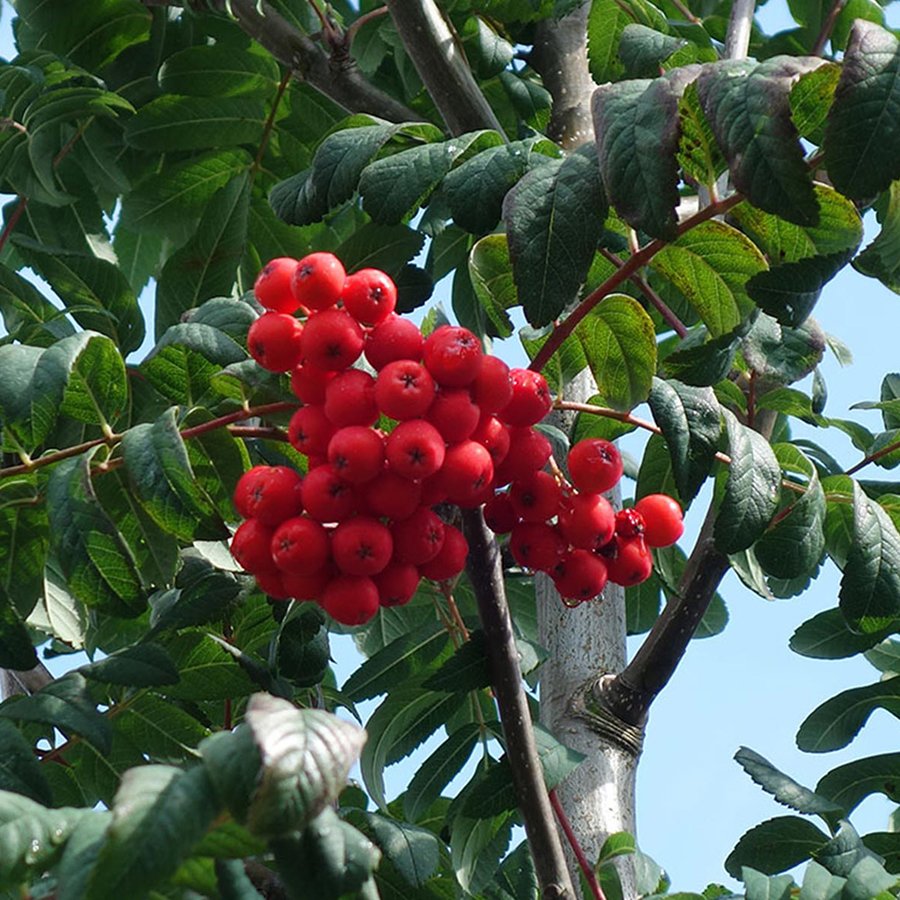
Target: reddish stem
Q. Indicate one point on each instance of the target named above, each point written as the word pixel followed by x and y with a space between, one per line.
pixel 270 121
pixel 586 869
pixel 13 220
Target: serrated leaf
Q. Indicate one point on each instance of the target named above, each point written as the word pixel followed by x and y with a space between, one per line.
pixel 491 275
pixel 489 175
pixel 158 813
pixel 143 665
pixel 170 123
pixel 529 99
pixel 844 852
pixel 794 544
pixel 219 71
pixel 619 343
pixel 306 756
pixel 65 704
pixel 881 258
pixel 516 878
pixel 885 656
pixel 775 845
pixel 711 266
pixel 834 723
pixel 703 361
pixel 206 671
pixel 763 887
pixel 98 568
pixel 24 539
pixel 20 771
pixel 405 718
pixel 414 852
pixel 691 424
pixel 638 130
pixel 160 472
pixel 749 110
pixel 476 848
pixel 698 154
pixel 862 142
pixel 782 787
pixel 751 489
pixel 207 264
pixel 554 217
pixel 606 22
pixel 870 586
pixel 848 785
pixel 437 771
pixel 781 352
pixel 643 49
pixel 27 314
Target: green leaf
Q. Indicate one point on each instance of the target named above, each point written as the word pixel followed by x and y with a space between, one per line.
pixel 589 425
pixel 516 878
pixel 761 887
pixel 643 49
pixel 476 848
pixel 163 731
pixel 414 852
pixel 65 704
pixel 827 636
pixel 848 785
pixel 98 568
pixel 491 274
pixel 80 855
pixel 834 723
pixel 206 671
pixel 844 852
pixel 20 771
pixel 870 587
pixel 529 99
pixel 143 665
pixel 775 845
pixel 749 110
pixel 170 123
pixel 219 71
pixel 306 755
pixel 396 185
pixel 619 342
pixel 158 813
pixel 24 538
pixel 489 175
pixel 698 153
pixel 82 376
pixel 862 142
pixel 554 218
pixel 638 131
pixel 711 265
pixel 405 718
pixel 160 471
pixel 398 661
pixel 94 290
pixel 794 544
pixel 438 770
pixel 16 650
pixel 881 258
pixel 885 657
pixel 783 353
pixel 207 264
pixel 820 884
pixel 783 788
pixel 27 314
pixel 703 361
pixel 751 489
pixel 606 22
pixel 691 424
pixel 170 202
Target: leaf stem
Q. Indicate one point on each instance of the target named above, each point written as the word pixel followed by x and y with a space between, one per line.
pixel 13 220
pixel 270 122
pixel 629 267
pixel 590 876
pixel 824 35
pixel 354 27
pixel 873 457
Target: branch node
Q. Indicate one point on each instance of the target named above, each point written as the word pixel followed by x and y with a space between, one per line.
pixel 588 703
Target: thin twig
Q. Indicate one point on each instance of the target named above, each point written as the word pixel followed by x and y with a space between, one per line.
pixel 873 457
pixel 270 121
pixel 590 876
pixel 682 8
pixel 824 35
pixel 354 27
pixel 13 220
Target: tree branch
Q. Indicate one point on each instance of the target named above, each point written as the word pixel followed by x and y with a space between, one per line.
pixel 740 24
pixel 486 574
pixel 435 51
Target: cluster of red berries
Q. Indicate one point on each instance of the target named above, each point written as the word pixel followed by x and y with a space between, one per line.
pixel 434 420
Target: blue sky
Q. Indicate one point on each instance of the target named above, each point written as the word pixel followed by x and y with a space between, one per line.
pixel 746 687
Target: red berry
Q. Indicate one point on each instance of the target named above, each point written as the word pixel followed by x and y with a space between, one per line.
pixel 454 415
pixel 466 472
pixel 332 340
pixel 628 560
pixel 587 521
pixel 580 575
pixel 391 495
pixel 350 399
pixel 269 493
pixel 404 390
pixel 361 546
pixel 663 519
pixel 274 341
pixel 532 450
pixel 595 465
pixel 397 584
pixel 308 585
pixel 318 280
pixel 451 559
pixel 629 523
pixel 492 388
pixel 327 497
pixel 300 545
pixel 434 491
pixel 273 285
pixel 251 546
pixel 272 583
pixel 536 497
pixel 530 400
pixel 356 453
pixel 453 355
pixel 536 545
pixel 394 338
pixel 350 599
pixel 310 430
pixel 493 435
pixel 309 382
pixel 415 449
pixel 499 514
pixel 419 538
pixel 369 296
